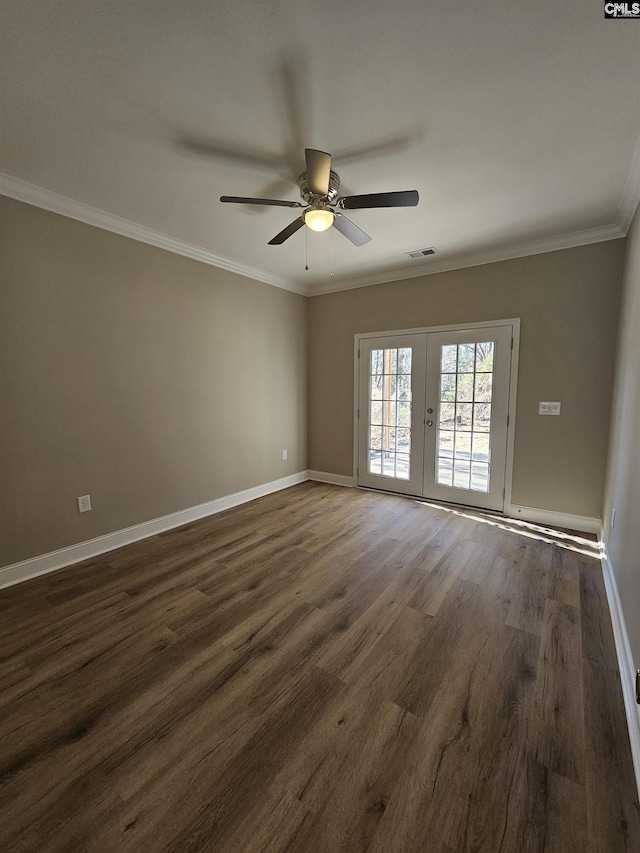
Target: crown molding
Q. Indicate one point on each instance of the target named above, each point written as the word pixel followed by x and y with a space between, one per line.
pixel 20 190
pixel 46 199
pixel 631 195
pixel 491 256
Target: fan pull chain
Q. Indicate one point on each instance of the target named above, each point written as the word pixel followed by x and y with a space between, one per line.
pixel 306 249
pixel 331 253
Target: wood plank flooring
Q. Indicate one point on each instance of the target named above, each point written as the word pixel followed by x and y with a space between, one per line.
pixel 322 670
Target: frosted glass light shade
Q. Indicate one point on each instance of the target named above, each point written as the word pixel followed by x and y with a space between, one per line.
pixel 319 220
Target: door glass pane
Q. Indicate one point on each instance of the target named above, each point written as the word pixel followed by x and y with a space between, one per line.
pixel 483 387
pixel 463 445
pixel 481 417
pixel 479 476
pixel 445 443
pixel 402 466
pixel 480 447
pixel 389 438
pixel 461 474
pixel 463 448
pixel 404 440
pixel 466 358
pixel 445 471
pixel 484 357
pixel 465 388
pixel 375 388
pixel 375 412
pixel 449 358
pixel 464 413
pixel 447 415
pixel 390 412
pixel 391 361
pixel 404 387
pixel 389 386
pixel 404 414
pixel 448 387
pixel 404 360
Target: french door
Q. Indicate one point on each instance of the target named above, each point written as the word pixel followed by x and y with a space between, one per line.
pixel 391 407
pixel 433 414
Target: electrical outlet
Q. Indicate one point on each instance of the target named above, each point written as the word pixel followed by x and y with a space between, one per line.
pixel 549 408
pixel 284 455
pixel 84 503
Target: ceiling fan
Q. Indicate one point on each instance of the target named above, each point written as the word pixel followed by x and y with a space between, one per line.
pixel 319 189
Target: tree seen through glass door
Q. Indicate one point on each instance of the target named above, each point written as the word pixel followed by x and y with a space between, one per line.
pixel 390 412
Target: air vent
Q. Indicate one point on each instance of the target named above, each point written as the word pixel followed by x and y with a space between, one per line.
pixel 421 253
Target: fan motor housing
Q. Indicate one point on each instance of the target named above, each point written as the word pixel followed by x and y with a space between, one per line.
pixel 309 197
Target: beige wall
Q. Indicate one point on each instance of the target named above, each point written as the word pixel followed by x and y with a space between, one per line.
pixel 155 383
pixel 623 475
pixel 568 302
pixel 150 381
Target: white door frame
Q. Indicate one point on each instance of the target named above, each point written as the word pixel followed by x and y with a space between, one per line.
pixel 514 322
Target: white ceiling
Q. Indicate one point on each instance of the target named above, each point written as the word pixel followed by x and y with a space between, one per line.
pixel 517 123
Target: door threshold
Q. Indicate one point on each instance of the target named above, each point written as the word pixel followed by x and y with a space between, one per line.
pixel 436 503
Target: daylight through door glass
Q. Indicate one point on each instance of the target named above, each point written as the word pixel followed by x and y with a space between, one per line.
pixel 390 412
pixel 463 447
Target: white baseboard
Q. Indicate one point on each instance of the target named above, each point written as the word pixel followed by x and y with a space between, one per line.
pixel 54 560
pixel 333 479
pixel 625 659
pixel 555 519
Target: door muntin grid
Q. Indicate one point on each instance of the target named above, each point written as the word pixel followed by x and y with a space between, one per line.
pixel 390 401
pixel 463 441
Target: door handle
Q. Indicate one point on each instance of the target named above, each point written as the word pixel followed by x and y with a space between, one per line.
pixel 429 423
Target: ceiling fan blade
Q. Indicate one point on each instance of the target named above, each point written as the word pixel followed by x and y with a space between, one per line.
pixel 350 230
pixel 406 198
pixel 287 232
pixel 318 171
pixel 273 201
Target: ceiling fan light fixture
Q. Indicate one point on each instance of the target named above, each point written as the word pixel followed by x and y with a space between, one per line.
pixel 319 192
pixel 319 219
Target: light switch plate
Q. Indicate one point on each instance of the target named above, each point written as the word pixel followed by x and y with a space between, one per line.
pixel 547 408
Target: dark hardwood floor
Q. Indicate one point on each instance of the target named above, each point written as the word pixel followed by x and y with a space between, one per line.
pixel 323 669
